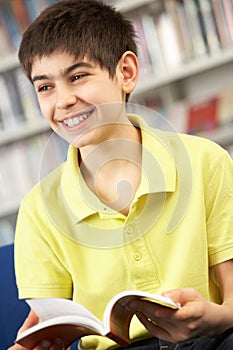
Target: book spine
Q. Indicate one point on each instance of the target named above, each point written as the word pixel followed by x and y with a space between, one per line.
pixel 220 23
pixel 27 95
pixel 228 8
pixel 32 159
pixel 7 113
pixel 14 97
pixel 171 8
pixel 6 45
pixel 11 25
pixel 20 13
pixel 194 22
pixel 143 50
pixel 209 25
pixel 166 33
pixel 185 31
pixel 151 37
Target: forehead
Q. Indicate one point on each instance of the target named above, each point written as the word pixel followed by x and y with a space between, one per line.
pixel 59 64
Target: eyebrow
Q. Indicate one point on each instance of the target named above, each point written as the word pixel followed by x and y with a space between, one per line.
pixel 63 73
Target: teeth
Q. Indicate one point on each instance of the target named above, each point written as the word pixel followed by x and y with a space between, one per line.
pixel 75 121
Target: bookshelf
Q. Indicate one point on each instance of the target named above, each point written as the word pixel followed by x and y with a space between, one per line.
pixel 174 81
pixel 185 71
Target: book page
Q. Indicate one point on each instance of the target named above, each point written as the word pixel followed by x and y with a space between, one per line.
pixel 47 308
pixel 118 316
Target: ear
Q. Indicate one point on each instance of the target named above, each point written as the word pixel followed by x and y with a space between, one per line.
pixel 128 67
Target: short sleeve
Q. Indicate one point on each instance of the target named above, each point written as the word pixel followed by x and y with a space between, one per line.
pixel 219 206
pixel 40 271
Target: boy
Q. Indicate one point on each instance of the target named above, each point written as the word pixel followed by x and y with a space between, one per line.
pixel 132 207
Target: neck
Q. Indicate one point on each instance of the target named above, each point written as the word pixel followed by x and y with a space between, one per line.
pixel 112 169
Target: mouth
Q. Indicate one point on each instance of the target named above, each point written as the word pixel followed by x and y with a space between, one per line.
pixel 76 119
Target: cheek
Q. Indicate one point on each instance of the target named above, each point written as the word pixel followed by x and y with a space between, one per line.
pixel 46 108
pixel 101 92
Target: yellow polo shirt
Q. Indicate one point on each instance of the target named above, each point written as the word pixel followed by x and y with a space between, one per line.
pixel 69 244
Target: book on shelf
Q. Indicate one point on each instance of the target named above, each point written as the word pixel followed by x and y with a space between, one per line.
pixel 185 29
pixel 19 10
pixel 172 8
pixel 151 36
pixel 14 97
pixel 8 119
pixel 228 9
pixel 5 40
pixel 210 32
pixel 11 24
pixel 198 39
pixel 32 159
pixel 203 115
pixel 27 95
pixel 15 17
pixel 225 107
pixel 143 48
pixel 166 33
pixel 221 23
pixel 70 321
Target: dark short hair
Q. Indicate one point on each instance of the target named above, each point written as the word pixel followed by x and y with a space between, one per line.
pixel 81 28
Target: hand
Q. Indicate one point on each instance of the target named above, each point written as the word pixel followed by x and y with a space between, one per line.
pixel 196 317
pixel 30 321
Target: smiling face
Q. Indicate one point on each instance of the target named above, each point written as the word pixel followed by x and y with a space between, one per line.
pixel 80 100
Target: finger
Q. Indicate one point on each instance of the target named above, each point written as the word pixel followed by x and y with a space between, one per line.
pixel 183 295
pixel 30 321
pixel 154 327
pixel 144 306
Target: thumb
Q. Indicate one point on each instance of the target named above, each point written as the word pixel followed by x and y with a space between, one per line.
pixel 31 320
pixel 183 295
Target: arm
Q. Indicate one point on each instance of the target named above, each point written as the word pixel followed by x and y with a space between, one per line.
pixel 197 316
pixel 30 321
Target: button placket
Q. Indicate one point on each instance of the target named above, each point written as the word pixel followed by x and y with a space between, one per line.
pixel 140 266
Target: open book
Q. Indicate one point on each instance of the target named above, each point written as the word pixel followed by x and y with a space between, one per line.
pixel 69 321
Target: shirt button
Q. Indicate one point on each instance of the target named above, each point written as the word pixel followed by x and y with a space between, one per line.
pixel 137 256
pixel 129 229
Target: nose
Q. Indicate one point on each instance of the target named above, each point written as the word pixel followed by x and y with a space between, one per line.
pixel 65 98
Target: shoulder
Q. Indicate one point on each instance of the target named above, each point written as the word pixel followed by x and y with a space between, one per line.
pixel 198 149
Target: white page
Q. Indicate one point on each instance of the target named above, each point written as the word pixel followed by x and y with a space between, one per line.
pixel 47 308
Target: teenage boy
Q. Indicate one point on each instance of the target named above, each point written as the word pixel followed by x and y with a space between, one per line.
pixel 132 207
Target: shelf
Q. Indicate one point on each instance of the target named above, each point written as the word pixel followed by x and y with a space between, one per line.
pixel 130 5
pixel 184 71
pixel 223 135
pixel 8 62
pixel 23 131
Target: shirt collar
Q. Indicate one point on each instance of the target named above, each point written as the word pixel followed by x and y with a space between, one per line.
pixel 158 175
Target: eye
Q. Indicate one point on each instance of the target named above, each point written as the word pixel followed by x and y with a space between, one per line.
pixel 79 76
pixel 43 88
